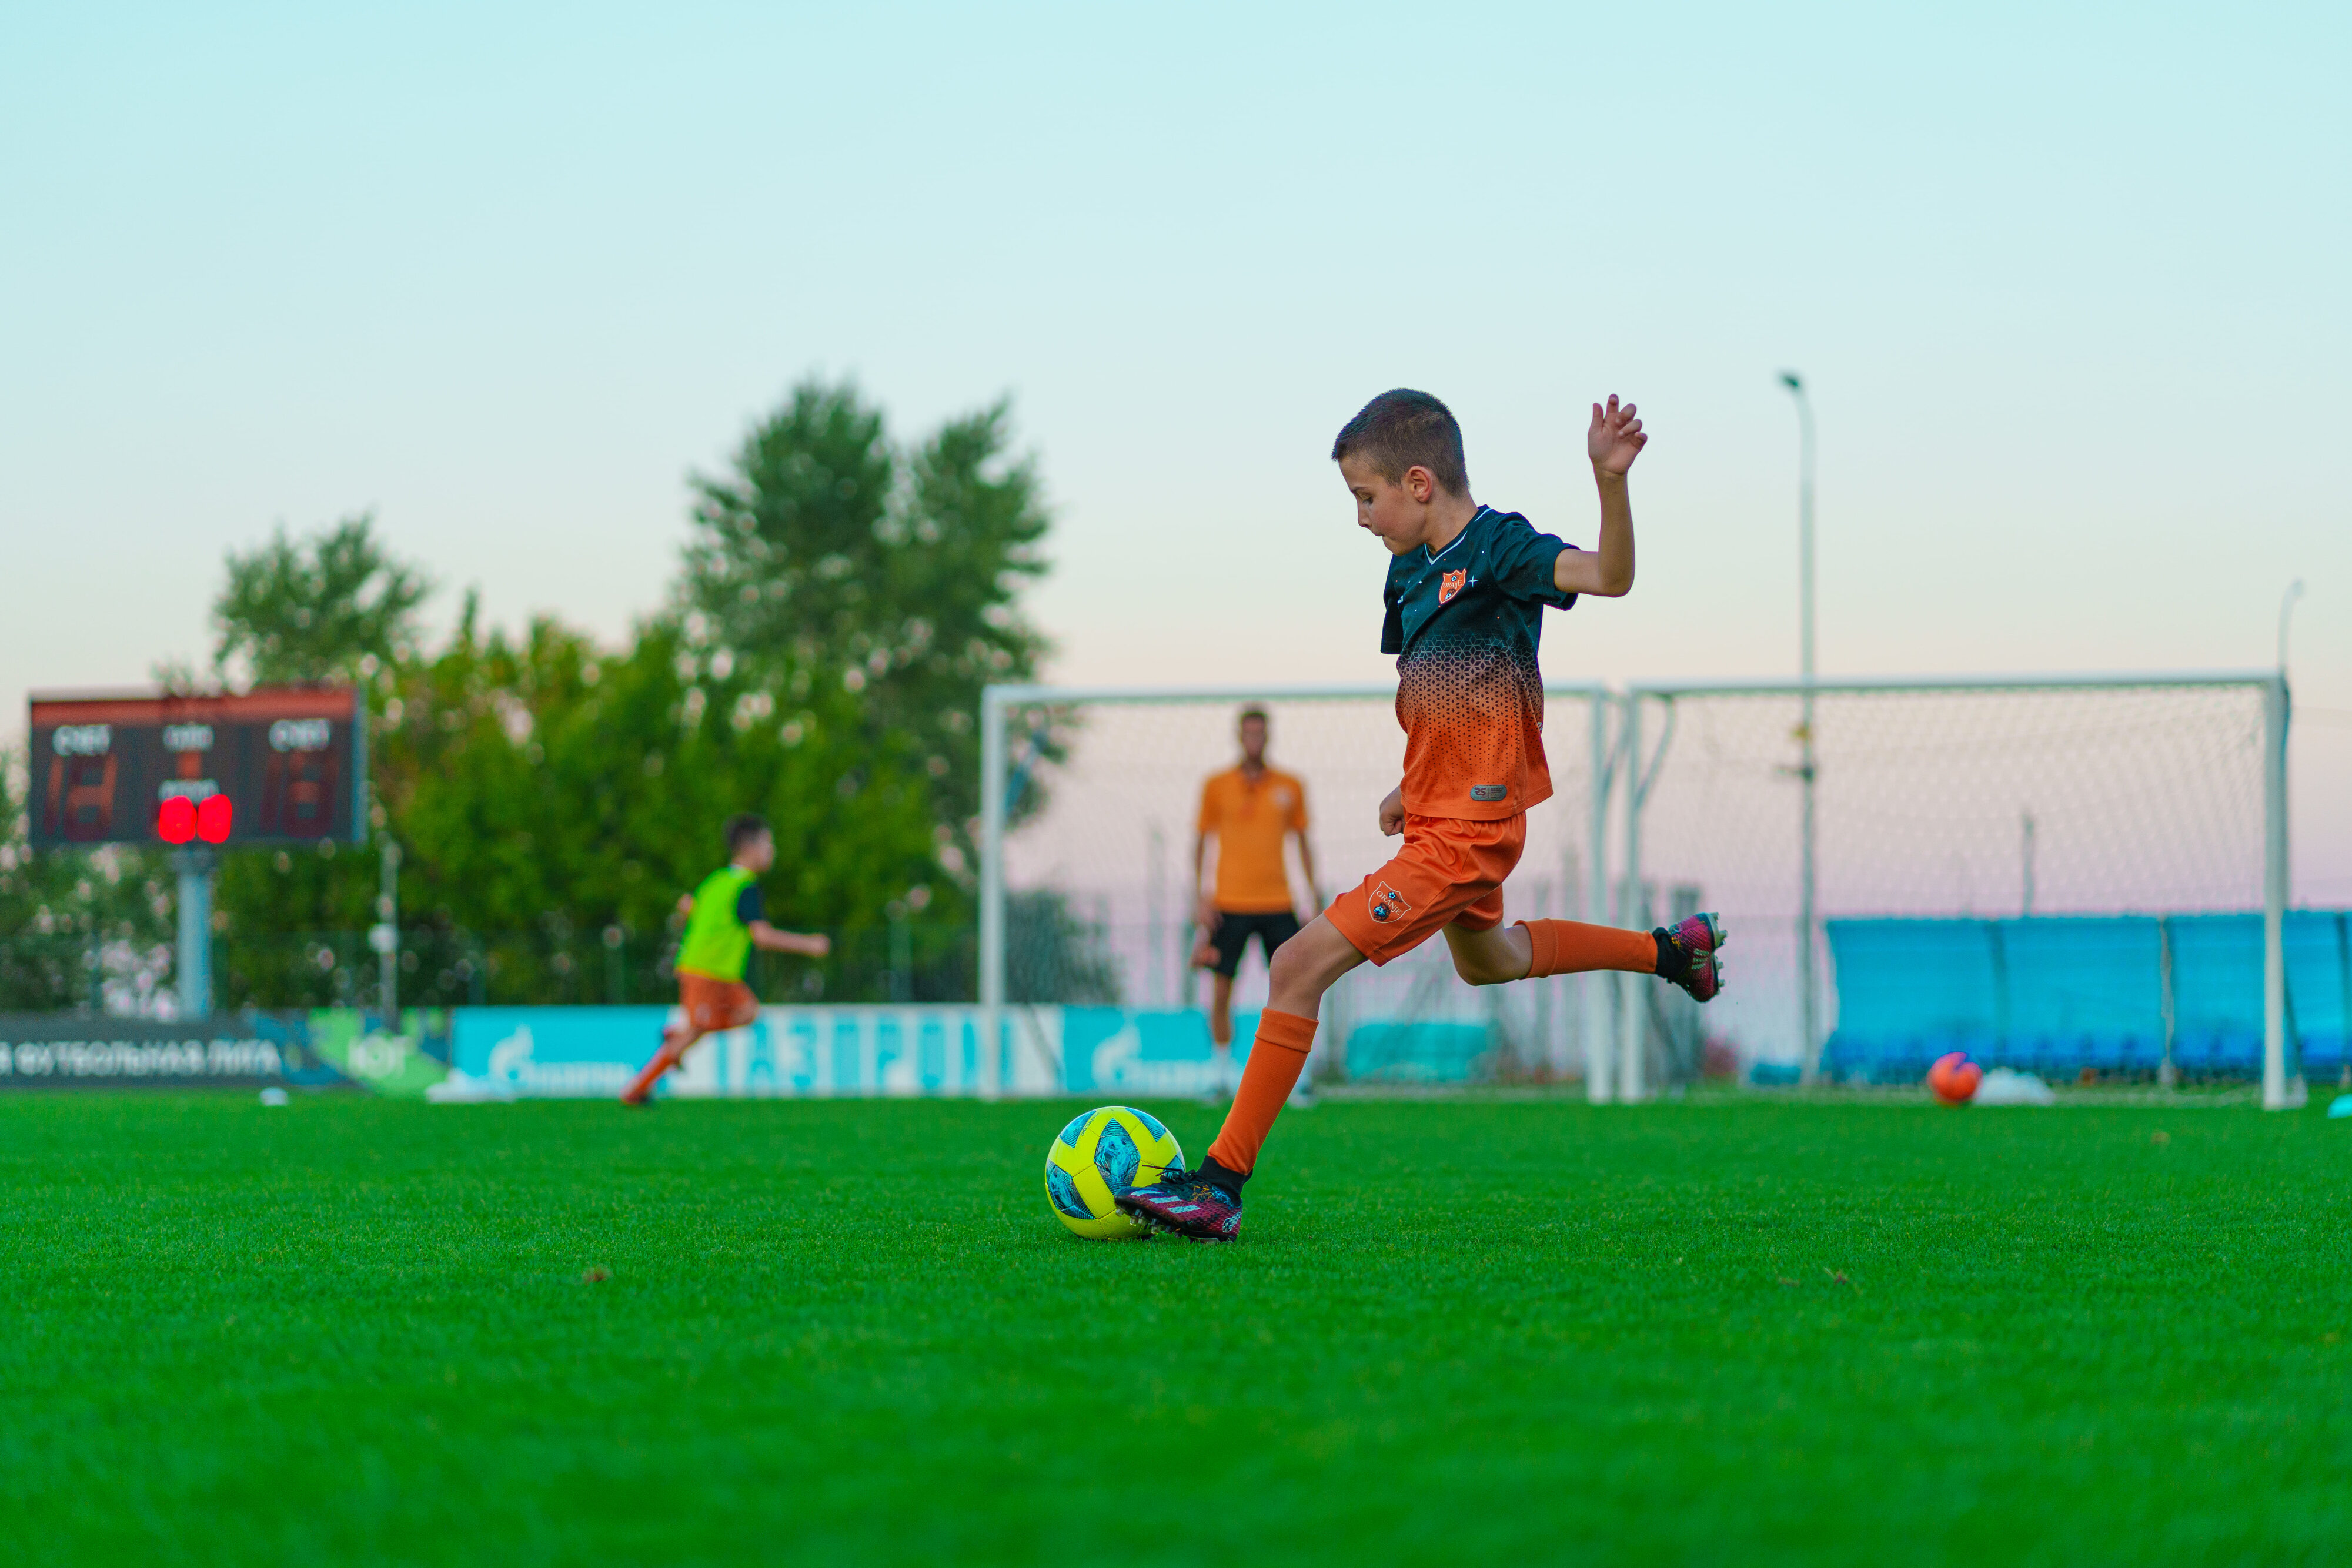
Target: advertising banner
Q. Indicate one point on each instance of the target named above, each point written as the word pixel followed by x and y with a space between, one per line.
pixel 401 1061
pixel 592 1053
pixel 1115 1053
pixel 49 1050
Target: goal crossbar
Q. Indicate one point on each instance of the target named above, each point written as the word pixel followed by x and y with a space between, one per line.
pixel 1895 684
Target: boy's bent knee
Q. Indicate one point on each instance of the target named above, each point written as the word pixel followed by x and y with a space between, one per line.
pixel 1479 972
pixel 1488 958
pixel 1318 956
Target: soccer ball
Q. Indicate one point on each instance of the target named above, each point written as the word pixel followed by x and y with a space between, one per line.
pixel 1109 1147
pixel 1954 1078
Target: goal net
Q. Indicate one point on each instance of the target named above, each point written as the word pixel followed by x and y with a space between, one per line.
pixel 1997 866
pixel 2013 867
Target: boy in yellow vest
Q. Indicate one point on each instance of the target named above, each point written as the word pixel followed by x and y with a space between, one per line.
pixel 726 918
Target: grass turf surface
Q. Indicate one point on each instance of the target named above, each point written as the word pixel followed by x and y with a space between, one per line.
pixel 357 1330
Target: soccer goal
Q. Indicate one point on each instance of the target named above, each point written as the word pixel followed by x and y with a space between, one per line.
pixel 2057 873
pixel 1090 805
pixel 2043 872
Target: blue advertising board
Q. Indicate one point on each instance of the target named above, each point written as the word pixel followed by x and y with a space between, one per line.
pixel 789 1051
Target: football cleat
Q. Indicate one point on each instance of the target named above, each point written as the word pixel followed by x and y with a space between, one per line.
pixel 1697 939
pixel 1181 1203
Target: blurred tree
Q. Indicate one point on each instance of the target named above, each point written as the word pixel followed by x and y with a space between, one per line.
pixel 842 604
pixel 337 606
pixel 1053 956
pixel 829 560
pixel 542 781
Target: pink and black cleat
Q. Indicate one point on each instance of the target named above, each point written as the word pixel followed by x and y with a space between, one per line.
pixel 1184 1203
pixel 1694 942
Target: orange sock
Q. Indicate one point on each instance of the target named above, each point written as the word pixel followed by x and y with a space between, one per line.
pixel 642 1085
pixel 1283 1042
pixel 1570 948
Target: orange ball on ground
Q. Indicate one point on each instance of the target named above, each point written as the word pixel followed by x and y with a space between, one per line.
pixel 1954 1078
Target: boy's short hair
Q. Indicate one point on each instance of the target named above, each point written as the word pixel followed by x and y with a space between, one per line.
pixel 1406 429
pixel 742 829
pixel 1249 713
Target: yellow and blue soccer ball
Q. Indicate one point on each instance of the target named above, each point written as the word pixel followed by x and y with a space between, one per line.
pixel 1109 1147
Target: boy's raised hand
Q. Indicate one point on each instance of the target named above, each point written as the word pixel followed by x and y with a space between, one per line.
pixel 1616 439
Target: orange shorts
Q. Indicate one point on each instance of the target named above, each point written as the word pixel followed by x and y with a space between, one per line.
pixel 1449 872
pixel 711 1005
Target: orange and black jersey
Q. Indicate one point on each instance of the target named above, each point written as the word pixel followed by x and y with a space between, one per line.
pixel 1464 623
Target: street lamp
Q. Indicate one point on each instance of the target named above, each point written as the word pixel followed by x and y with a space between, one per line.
pixel 1808 1004
pixel 2287 613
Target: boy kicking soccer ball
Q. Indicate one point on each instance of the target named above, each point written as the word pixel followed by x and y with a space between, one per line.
pixel 726 918
pixel 1466 590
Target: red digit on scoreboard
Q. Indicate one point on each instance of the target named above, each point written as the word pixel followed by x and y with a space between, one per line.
pixel 175 820
pixel 213 815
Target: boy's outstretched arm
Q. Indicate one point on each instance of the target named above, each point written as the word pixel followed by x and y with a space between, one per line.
pixel 1616 439
pixel 767 937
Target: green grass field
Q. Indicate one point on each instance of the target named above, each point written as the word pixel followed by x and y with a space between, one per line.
pixel 1751 1332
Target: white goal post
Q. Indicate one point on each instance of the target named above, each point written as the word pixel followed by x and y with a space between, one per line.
pixel 1939 799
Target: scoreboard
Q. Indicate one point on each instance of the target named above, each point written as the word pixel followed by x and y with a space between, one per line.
pixel 278 765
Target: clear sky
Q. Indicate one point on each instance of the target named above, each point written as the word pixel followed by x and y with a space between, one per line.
pixel 2068 284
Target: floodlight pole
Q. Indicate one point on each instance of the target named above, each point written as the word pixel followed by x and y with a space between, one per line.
pixel 195 950
pixel 1600 990
pixel 2025 857
pixel 1809 1003
pixel 385 936
pixel 1632 1010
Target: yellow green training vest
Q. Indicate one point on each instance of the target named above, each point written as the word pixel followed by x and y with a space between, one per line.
pixel 716 944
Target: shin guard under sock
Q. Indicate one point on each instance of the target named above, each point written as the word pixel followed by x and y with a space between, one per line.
pixel 1571 947
pixel 1274 1061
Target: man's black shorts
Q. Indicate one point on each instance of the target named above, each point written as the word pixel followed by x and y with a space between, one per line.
pixel 1234 932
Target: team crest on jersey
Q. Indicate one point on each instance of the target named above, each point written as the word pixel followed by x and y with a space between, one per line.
pixel 1451 584
pixel 1388 904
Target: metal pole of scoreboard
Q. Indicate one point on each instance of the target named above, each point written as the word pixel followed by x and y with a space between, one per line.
pixel 196 951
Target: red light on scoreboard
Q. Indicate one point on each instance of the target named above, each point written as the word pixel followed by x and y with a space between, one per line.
pixel 179 820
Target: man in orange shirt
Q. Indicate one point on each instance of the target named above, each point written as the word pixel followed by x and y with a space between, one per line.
pixel 1251 809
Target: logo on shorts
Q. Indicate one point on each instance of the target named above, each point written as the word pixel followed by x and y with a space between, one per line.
pixel 1451 584
pixel 1388 904
pixel 1489 792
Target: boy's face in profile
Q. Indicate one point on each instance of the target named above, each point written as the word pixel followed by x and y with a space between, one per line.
pixel 759 855
pixel 1394 511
